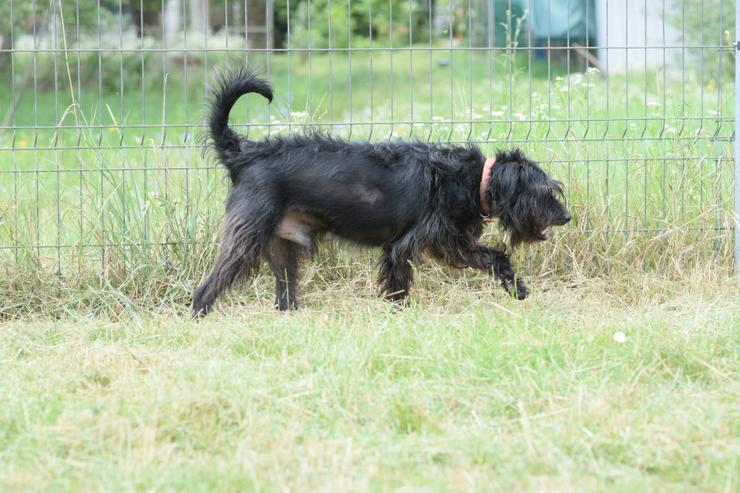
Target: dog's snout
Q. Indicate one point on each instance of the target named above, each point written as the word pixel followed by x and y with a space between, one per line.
pixel 566 217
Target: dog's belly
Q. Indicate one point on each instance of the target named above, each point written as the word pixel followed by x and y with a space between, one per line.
pixel 300 227
pixel 364 204
pixel 367 224
pixel 372 237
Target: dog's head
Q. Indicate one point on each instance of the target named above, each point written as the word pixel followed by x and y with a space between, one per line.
pixel 524 199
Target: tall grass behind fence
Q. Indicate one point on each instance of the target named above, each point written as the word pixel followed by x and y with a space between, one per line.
pixel 102 175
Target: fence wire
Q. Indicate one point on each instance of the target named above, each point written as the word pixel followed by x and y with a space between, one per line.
pixel 630 103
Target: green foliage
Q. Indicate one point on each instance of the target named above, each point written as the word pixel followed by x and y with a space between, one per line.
pixel 325 23
pixel 706 23
pixel 43 14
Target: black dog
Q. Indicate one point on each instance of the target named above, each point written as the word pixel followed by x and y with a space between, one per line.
pixel 406 197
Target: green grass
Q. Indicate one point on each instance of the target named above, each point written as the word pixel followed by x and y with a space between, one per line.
pixel 465 390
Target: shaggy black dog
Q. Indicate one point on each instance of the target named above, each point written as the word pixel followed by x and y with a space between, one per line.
pixel 405 197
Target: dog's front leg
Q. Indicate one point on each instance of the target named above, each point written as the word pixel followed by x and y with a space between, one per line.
pixel 498 263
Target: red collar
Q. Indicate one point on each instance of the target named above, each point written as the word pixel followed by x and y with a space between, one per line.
pixel 485 179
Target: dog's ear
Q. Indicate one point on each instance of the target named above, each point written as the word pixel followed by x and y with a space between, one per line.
pixel 503 187
pixel 556 188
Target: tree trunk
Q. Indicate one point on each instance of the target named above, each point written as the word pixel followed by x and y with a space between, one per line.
pixel 199 16
pixel 5 55
pixel 260 23
pixel 172 21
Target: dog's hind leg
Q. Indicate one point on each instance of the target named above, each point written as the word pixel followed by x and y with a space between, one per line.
pixel 247 230
pixel 283 257
pixel 396 272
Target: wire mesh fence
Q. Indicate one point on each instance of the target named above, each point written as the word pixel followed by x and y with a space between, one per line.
pixel 630 103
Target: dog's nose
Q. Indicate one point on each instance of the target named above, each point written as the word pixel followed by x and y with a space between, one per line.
pixel 566 218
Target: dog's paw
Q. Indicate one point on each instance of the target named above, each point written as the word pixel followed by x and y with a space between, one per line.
pixel 521 291
pixel 516 289
pixel 199 309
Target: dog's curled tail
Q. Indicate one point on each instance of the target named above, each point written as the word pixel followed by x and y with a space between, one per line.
pixel 230 87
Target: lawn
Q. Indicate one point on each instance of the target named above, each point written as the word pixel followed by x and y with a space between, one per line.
pixel 465 390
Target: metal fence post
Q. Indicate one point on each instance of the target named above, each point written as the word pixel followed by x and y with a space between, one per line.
pixel 736 208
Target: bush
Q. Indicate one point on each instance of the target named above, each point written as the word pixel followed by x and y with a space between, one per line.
pixel 707 26
pixel 366 20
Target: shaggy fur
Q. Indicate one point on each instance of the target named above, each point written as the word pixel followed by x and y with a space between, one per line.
pixel 405 197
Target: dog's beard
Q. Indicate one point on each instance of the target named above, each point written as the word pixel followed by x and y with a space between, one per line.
pixel 531 234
